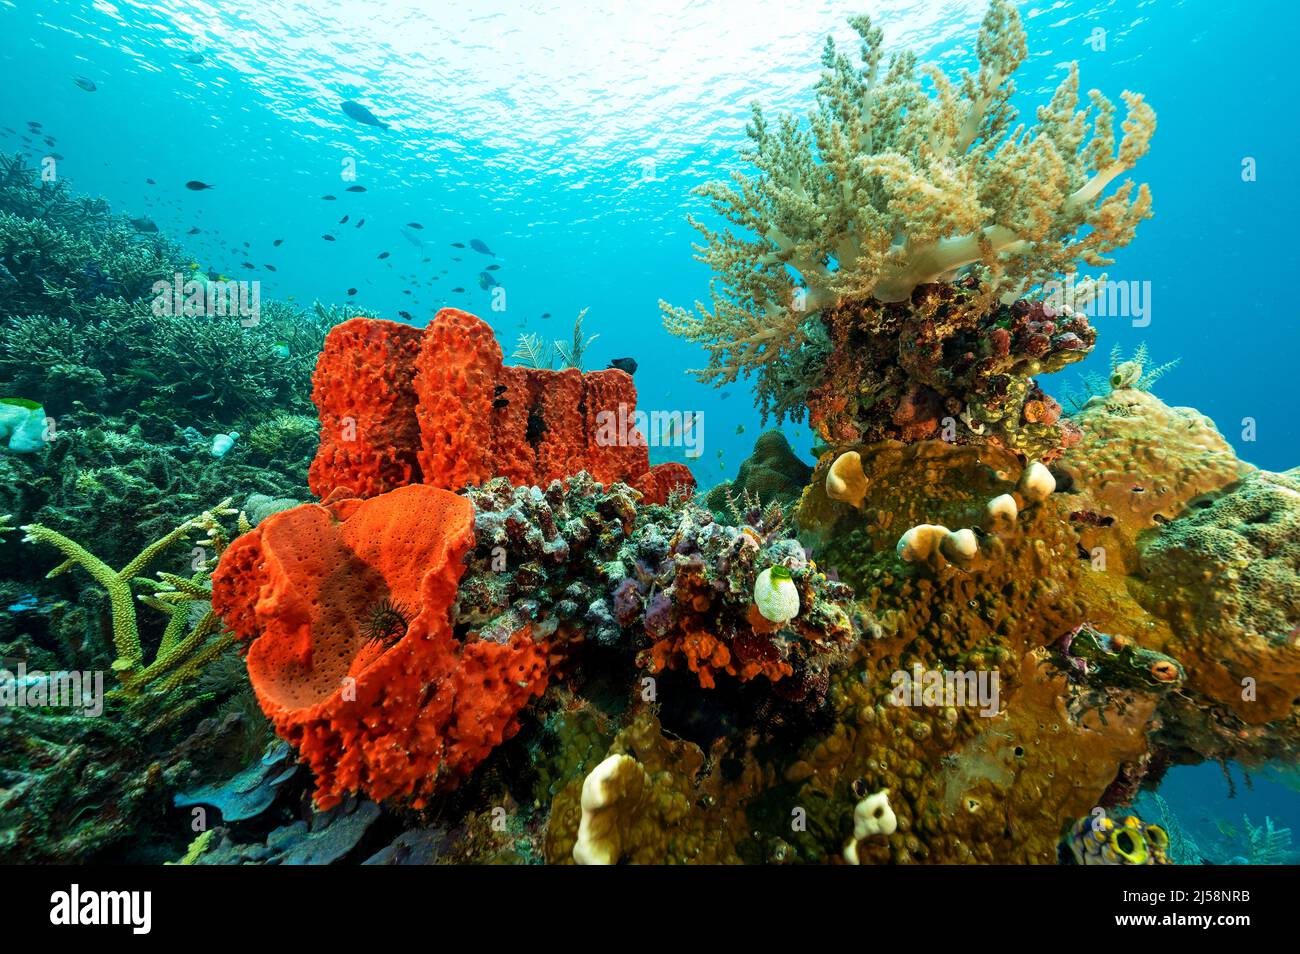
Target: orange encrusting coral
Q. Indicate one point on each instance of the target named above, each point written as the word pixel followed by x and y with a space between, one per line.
pixel 384 712
pixel 452 414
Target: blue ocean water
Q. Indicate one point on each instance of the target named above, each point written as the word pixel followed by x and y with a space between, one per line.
pixel 568 139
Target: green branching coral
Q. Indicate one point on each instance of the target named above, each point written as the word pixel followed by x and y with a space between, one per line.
pixel 193 636
pixel 892 184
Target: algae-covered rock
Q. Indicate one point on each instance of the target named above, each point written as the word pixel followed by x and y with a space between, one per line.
pixel 1141 463
pixel 1227 578
pixel 771 474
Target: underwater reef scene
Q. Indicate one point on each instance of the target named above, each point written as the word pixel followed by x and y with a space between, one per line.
pixel 288 584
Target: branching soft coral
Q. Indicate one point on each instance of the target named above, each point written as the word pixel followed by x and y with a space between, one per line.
pixel 892 184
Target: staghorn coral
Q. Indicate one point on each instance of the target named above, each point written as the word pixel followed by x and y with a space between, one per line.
pixel 887 189
pixel 188 642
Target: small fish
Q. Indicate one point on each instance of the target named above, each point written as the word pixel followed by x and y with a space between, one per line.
pixel 195 58
pixel 361 114
pixel 724 395
pixel 328 238
pixel 623 364
pixel 356 189
pixel 414 225
pixel 194 231
pixel 56 156
pixel 458 289
pixel 492 268
pixel 479 245
pixel 485 281
pixel 740 428
pixel 195 185
pixel 269 268
pixel 499 403
pixel 361 223
pixel 499 390
pixel 344 220
pixel 383 255
pixel 351 292
pixel 150 181
pixel 248 265
pixel 278 242
pixel 329 198
pixel 144 225
pixel 281 348
pixel 457 244
pixel 86 84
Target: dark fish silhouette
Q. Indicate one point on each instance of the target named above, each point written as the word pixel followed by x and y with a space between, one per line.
pixel 479 245
pixel 329 198
pixel 194 58
pixel 87 85
pixel 194 185
pixel 492 268
pixel 150 181
pixel 383 254
pixel 351 292
pixel 457 244
pixel 361 223
pixel 362 115
pixel 194 231
pixel 343 221
pixel 278 242
pixel 624 364
pixel 144 225
pixel 458 289
pixel 485 281
pixel 499 403
pixel 414 225
pixel 406 315
pixel 328 238
pixel 356 189
pixel 546 314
